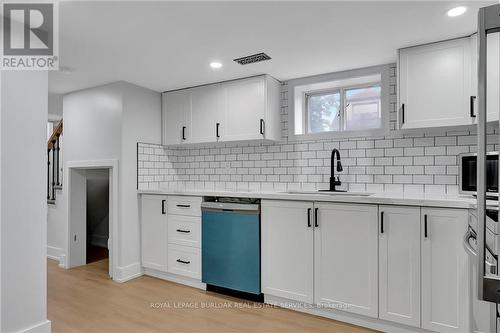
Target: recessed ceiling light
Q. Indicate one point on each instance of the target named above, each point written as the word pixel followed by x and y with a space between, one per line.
pixel 215 65
pixel 457 11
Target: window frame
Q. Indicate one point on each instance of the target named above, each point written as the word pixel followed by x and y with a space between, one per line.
pixel 297 101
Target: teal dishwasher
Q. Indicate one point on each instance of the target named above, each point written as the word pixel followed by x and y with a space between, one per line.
pixel 231 245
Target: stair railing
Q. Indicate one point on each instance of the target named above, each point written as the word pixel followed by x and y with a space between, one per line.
pixel 54 147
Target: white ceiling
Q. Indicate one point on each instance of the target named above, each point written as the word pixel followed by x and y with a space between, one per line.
pixel 169 45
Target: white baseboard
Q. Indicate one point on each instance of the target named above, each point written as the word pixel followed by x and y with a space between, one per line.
pixel 44 327
pixel 127 273
pixel 57 253
pixel 62 261
pixel 351 318
pixel 175 278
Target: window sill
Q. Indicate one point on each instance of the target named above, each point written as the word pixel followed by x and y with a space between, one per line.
pixel 338 135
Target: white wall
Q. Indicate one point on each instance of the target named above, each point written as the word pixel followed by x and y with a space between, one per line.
pixel 55 106
pixel 106 122
pixel 23 208
pixel 141 123
pixel 92 130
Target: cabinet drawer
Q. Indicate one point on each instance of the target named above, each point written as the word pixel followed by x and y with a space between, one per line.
pixel 184 230
pixel 184 260
pixel 184 205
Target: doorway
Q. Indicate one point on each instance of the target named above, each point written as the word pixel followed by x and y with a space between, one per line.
pixel 92 212
pixel 97 215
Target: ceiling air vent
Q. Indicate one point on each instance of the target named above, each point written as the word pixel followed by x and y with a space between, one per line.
pixel 252 58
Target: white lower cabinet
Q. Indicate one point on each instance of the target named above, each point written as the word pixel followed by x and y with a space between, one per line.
pixel 404 265
pixel 171 235
pixel 346 257
pixel 445 280
pixel 287 249
pixel 399 264
pixel 154 232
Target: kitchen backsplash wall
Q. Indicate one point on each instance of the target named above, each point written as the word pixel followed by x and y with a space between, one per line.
pixel 412 162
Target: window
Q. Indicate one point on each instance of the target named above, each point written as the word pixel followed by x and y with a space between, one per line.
pixel 323 112
pixel 346 109
pixel 341 104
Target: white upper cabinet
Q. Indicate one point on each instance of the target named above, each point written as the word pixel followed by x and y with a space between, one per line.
pixel 206 113
pixel 435 85
pixel 346 257
pixel 399 264
pixel 287 249
pixel 246 109
pixel 175 117
pixel 493 75
pixel 445 276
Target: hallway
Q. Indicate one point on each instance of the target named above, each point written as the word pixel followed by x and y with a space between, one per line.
pixel 84 299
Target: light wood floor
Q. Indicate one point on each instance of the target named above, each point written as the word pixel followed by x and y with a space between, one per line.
pixel 84 299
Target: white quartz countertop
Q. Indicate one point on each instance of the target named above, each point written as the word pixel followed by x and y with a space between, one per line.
pixel 385 198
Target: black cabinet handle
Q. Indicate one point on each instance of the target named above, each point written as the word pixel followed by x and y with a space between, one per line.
pixel 183 231
pixel 472 100
pixel 163 207
pixel 403 113
pixel 262 126
pixel 217 130
pixel 183 262
pixel 183 206
pixel 381 222
pixel 309 217
pixel 425 225
pixel 316 224
pixel 183 132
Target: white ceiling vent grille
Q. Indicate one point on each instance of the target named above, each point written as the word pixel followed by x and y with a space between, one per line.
pixel 252 58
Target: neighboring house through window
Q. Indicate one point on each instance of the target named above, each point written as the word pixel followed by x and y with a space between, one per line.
pixel 340 104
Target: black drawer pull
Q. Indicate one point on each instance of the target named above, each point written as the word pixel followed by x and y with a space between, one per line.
pixel 183 231
pixel 262 126
pixel 381 222
pixel 183 132
pixel 217 130
pixel 316 223
pixel 309 217
pixel 183 262
pixel 183 206
pixel 163 207
pixel 425 226
pixel 472 113
pixel 403 113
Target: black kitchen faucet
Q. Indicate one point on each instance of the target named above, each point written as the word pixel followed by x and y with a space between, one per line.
pixel 335 182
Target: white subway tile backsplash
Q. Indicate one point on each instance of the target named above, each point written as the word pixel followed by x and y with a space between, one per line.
pixel 418 161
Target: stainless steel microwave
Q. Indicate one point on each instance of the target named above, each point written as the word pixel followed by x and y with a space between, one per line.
pixel 468 174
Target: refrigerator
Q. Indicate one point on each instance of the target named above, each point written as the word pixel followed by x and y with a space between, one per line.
pixel 487 277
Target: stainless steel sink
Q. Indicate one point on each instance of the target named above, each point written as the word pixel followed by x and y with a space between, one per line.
pixel 361 194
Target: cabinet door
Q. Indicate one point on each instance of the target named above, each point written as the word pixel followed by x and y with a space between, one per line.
pixel 399 264
pixel 175 111
pixel 154 232
pixel 493 75
pixel 445 280
pixel 346 257
pixel 287 249
pixel 206 111
pixel 244 109
pixel 435 84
